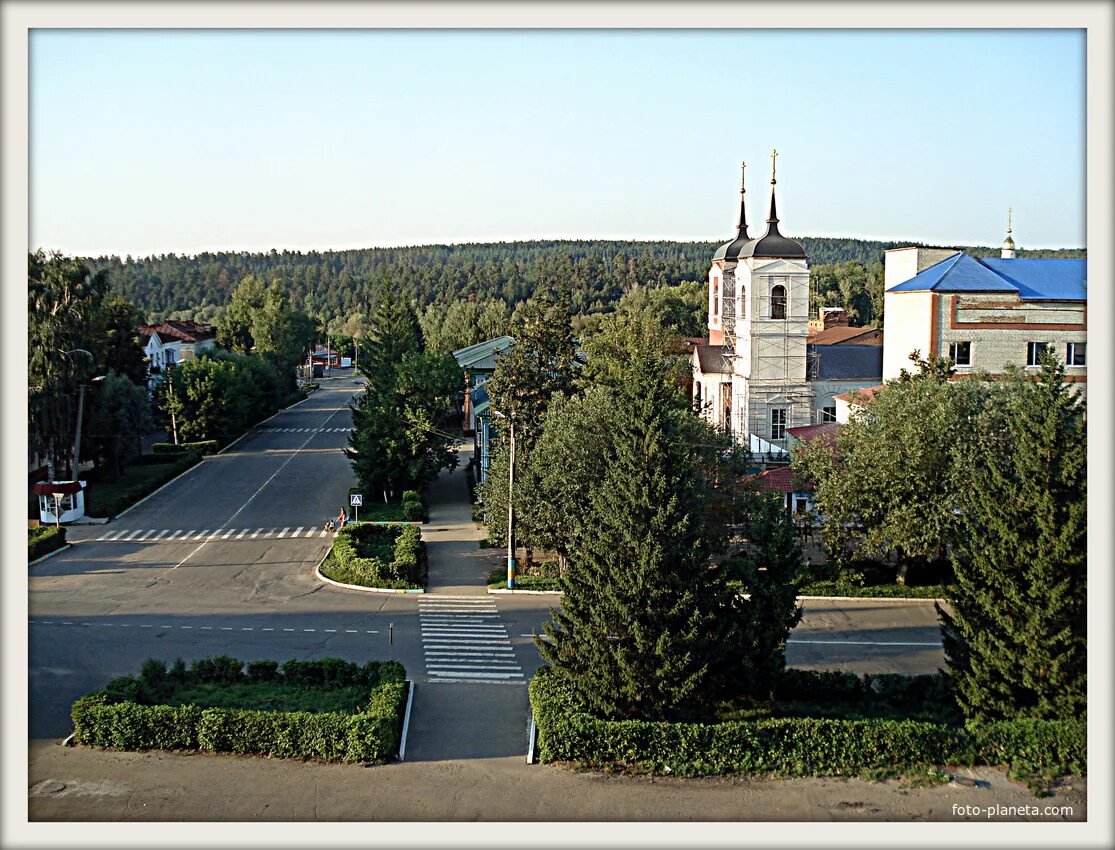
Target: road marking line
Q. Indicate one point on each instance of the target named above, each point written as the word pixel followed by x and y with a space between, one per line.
pixel 207 628
pixel 103 536
pixel 330 630
pixel 464 674
pixel 133 534
pixel 176 533
pixel 478 666
pixel 864 642
pixel 226 628
pixel 256 534
pixel 148 534
pixel 161 533
pixel 67 622
pixel 494 652
pixel 186 536
pixel 267 630
pixel 145 626
pixel 125 625
pixel 203 533
pixel 288 630
pixel 185 627
pixel 166 627
pixel 87 624
pixel 350 631
pixel 241 534
pixel 297 531
pixel 309 630
pixel 107 625
pixel 371 632
pixel 228 534
pixel 215 534
pixel 247 629
pixel 282 533
pixel 324 531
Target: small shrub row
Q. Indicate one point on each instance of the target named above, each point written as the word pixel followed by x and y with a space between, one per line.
pixel 797 746
pixel 118 717
pixel 205 447
pixel 390 556
pixel 44 539
pixel 498 578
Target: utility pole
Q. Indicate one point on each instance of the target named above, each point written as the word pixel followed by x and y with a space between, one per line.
pixel 77 434
pixel 511 512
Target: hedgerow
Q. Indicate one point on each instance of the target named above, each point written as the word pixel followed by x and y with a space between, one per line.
pixel 125 716
pixel 374 555
pixel 43 539
pixel 795 746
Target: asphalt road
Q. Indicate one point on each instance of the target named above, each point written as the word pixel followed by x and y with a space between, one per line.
pixel 222 561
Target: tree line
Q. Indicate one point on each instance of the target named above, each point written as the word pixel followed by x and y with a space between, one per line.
pixel 334 285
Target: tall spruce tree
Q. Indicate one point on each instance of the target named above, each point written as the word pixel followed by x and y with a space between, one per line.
pixel 1015 632
pixel 646 628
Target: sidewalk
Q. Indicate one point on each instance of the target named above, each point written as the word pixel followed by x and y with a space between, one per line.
pixel 458 566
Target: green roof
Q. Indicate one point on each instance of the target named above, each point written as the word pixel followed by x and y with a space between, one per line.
pixel 483 354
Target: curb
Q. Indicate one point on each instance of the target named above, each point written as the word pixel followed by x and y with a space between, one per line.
pixel 262 421
pixel 49 555
pixel 200 461
pixel 317 572
pixel 406 722
pixel 533 592
pixel 874 598
pixel 530 740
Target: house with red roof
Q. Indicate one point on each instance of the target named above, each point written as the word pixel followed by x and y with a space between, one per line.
pixel 175 340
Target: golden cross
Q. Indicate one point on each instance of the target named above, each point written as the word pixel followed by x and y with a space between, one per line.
pixel 742 173
pixel 773 163
pixel 1008 219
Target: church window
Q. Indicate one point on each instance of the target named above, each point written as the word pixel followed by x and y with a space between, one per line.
pixel 715 297
pixel 778 302
pixel 778 423
pixel 742 302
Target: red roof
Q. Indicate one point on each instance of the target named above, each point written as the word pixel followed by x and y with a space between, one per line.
pixel 805 433
pixel 864 396
pixel 50 488
pixel 183 329
pixel 780 479
pixel 843 333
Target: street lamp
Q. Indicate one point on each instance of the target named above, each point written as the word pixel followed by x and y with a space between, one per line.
pixel 80 410
pixel 510 504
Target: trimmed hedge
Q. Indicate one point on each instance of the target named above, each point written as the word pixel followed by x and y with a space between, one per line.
pixel 414 509
pixel 205 447
pixel 44 539
pixel 794 746
pixel 116 716
pixel 389 555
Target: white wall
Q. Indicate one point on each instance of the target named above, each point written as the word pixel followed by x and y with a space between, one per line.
pixel 908 319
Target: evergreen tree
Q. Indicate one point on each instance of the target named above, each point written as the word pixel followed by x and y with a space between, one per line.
pixel 394 333
pixel 1015 633
pixel 770 574
pixel 646 628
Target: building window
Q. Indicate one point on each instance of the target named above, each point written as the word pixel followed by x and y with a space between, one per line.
pixel 743 302
pixel 1075 355
pixel 778 423
pixel 1034 351
pixel 715 297
pixel 960 353
pixel 828 414
pixel 169 356
pixel 778 302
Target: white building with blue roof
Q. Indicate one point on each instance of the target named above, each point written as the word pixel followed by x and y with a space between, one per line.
pixel 984 313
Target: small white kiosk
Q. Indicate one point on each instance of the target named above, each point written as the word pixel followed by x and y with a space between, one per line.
pixel 60 501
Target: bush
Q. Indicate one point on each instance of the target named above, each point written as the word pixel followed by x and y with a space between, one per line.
pixel 798 746
pixel 43 539
pixel 414 510
pixel 117 717
pixel 389 555
pixel 262 671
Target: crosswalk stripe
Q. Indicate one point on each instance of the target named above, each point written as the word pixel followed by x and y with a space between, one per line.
pixel 467 674
pixel 324 531
pixel 256 534
pixel 228 534
pixel 175 534
pixel 161 533
pixel 133 534
pixel 498 666
pixel 297 531
pixel 450 642
pixel 241 534
pixel 282 533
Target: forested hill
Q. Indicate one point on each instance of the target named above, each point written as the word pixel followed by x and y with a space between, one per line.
pixel 335 283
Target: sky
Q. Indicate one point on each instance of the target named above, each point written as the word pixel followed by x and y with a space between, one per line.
pixel 180 141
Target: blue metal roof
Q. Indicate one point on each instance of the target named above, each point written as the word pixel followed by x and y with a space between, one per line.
pixel 1029 278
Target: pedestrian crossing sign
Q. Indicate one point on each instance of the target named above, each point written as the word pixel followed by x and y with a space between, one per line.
pixel 356 500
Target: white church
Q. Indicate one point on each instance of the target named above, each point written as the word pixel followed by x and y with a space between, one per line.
pixel 757 376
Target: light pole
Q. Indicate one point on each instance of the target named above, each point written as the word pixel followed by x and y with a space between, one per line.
pixel 80 410
pixel 510 504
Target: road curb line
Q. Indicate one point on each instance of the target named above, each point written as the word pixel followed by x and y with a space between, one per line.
pixel 200 461
pixel 49 555
pixel 530 740
pixel 874 598
pixel 317 572
pixel 535 592
pixel 261 422
pixel 406 722
pixel 69 741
